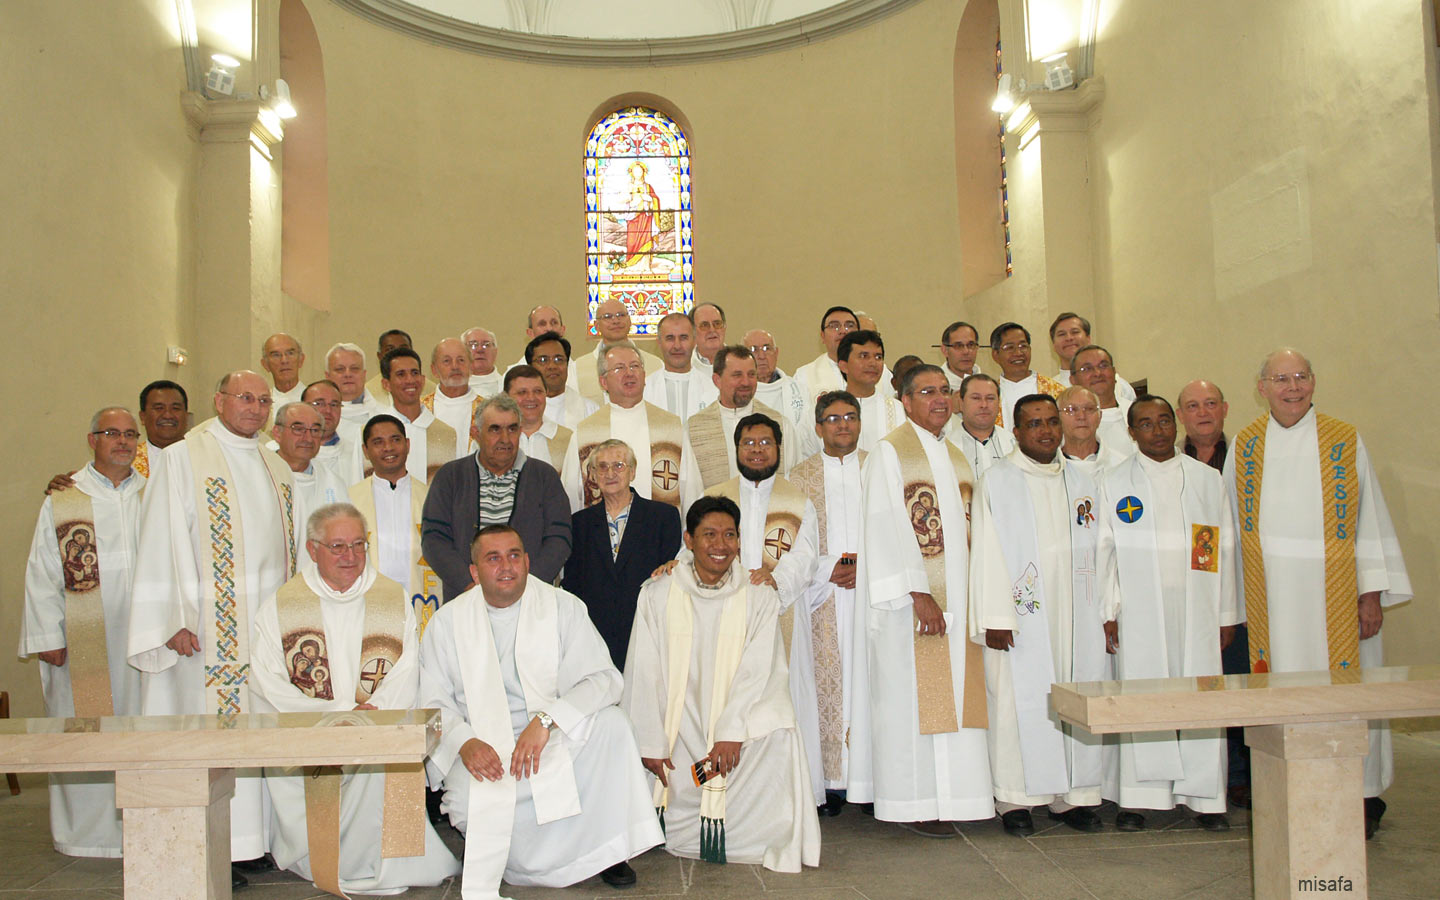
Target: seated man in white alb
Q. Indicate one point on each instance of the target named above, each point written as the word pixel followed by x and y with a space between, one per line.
pixel 725 708
pixel 540 769
pixel 337 637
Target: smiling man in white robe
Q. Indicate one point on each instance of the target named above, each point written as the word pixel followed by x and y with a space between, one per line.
pixel 432 442
pixel 861 356
pixel 340 442
pixel 296 433
pixel 453 401
pixel 1036 604
pixel 77 599
pixel 1320 556
pixel 1167 548
pixel 977 404
pixel 541 772
pixel 917 726
pixel 681 387
pixel 339 637
pixel 707 689
pixel 216 536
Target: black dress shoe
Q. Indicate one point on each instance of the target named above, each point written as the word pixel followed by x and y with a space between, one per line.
pixel 1125 820
pixel 1213 821
pixel 236 879
pixel 1018 822
pixel 1080 818
pixel 619 875
pixel 1238 795
pixel 1374 810
pixel 265 863
pixel 834 803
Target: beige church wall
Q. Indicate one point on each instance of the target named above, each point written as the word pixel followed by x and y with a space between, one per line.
pixel 97 192
pixel 823 175
pixel 1263 176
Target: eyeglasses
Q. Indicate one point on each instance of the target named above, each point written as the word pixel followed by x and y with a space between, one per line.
pixel 1080 410
pixel 558 359
pixel 1103 365
pixel 762 348
pixel 480 345
pixel 113 433
pixel 610 317
pixel 1296 379
pixel 837 418
pixel 929 392
pixel 840 326
pixel 962 345
pixel 250 399
pixel 632 367
pixel 757 442
pixel 1017 345
pixel 616 467
pixel 299 430
pixel 1148 425
pixel 326 404
pixel 339 548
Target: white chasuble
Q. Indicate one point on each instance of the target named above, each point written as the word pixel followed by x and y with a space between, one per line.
pixel 85 543
pixel 392 515
pixel 432 444
pixel 208 554
pixel 283 684
pixel 1167 548
pixel 833 486
pixel 456 412
pixel 316 487
pixel 880 414
pixel 911 776
pixel 786 396
pixel 672 668
pixel 681 393
pixel 490 671
pixel 1033 573
pixel 709 452
pixel 1291 526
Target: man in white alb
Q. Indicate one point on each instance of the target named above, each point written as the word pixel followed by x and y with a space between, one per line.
pixel 549 353
pixel 393 339
pixel 960 344
pixel 773 387
pixel 345 368
pixel 652 433
pixel 1167 547
pixel 707 691
pixel 340 442
pixel 338 637
pixel 540 438
pixel 680 387
pixel 972 429
pixel 1043 617
pixel 823 372
pixel 709 322
pixel 454 401
pixel 710 434
pixel 432 442
pixel 216 536
pixel 545 320
pixel 1010 349
pixel 282 357
pixel 861 356
pixel 1070 332
pixel 296 434
pixel 1094 369
pixel 612 324
pixel 480 343
pixel 1079 427
pixel 1309 559
pixel 77 605
pixel 540 768
pixel 917 723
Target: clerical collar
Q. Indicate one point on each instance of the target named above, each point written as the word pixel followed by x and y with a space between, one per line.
pixel 1091 458
pixel 1022 379
pixel 226 436
pixel 841 460
pixel 1026 463
pixel 394 485
pixel 984 440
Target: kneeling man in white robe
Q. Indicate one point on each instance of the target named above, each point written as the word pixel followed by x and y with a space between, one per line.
pixel 338 637
pixel 708 690
pixel 1169 555
pixel 541 771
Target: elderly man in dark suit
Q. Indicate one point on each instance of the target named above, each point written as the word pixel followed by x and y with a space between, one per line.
pixel 498 485
pixel 619 542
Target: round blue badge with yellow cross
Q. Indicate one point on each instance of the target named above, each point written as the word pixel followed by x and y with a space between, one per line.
pixel 1130 509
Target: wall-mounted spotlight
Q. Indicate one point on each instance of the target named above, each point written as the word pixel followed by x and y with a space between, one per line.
pixel 221 77
pixel 1058 74
pixel 1004 100
pixel 280 99
pixel 177 355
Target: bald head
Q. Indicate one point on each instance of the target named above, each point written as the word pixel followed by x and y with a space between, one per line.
pixel 543 319
pixel 1201 409
pixel 612 321
pixel 242 402
pixel 282 357
pixel 767 355
pixel 450 366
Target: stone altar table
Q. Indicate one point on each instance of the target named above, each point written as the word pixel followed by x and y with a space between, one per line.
pixel 1307 733
pixel 174 775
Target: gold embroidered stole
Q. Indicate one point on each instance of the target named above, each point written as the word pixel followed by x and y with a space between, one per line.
pixel 224 605
pixel 933 673
pixel 1338 489
pixel 713 448
pixel 559 445
pixel 303 641
pixel 142 457
pixel 809 477
pixel 431 463
pixel 1044 384
pixel 782 527
pixel 666 434
pixel 86 656
pixel 424 583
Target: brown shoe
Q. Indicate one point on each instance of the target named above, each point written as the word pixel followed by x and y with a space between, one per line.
pixel 930 829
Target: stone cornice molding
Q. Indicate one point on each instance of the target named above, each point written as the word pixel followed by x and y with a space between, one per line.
pixel 231 121
pixel 1072 110
pixel 434 28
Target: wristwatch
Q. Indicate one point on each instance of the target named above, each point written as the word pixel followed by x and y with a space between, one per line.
pixel 545 721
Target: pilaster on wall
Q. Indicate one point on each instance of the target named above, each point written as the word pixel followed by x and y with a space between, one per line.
pixel 238 302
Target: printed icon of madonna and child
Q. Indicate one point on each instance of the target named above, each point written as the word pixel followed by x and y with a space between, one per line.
pixel 638 237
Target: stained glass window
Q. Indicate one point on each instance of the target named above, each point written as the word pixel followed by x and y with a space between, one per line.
pixel 637 216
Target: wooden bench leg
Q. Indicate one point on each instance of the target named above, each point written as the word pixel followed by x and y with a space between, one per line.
pixel 5 714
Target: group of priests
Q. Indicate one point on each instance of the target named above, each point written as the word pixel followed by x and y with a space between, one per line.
pixel 883 573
